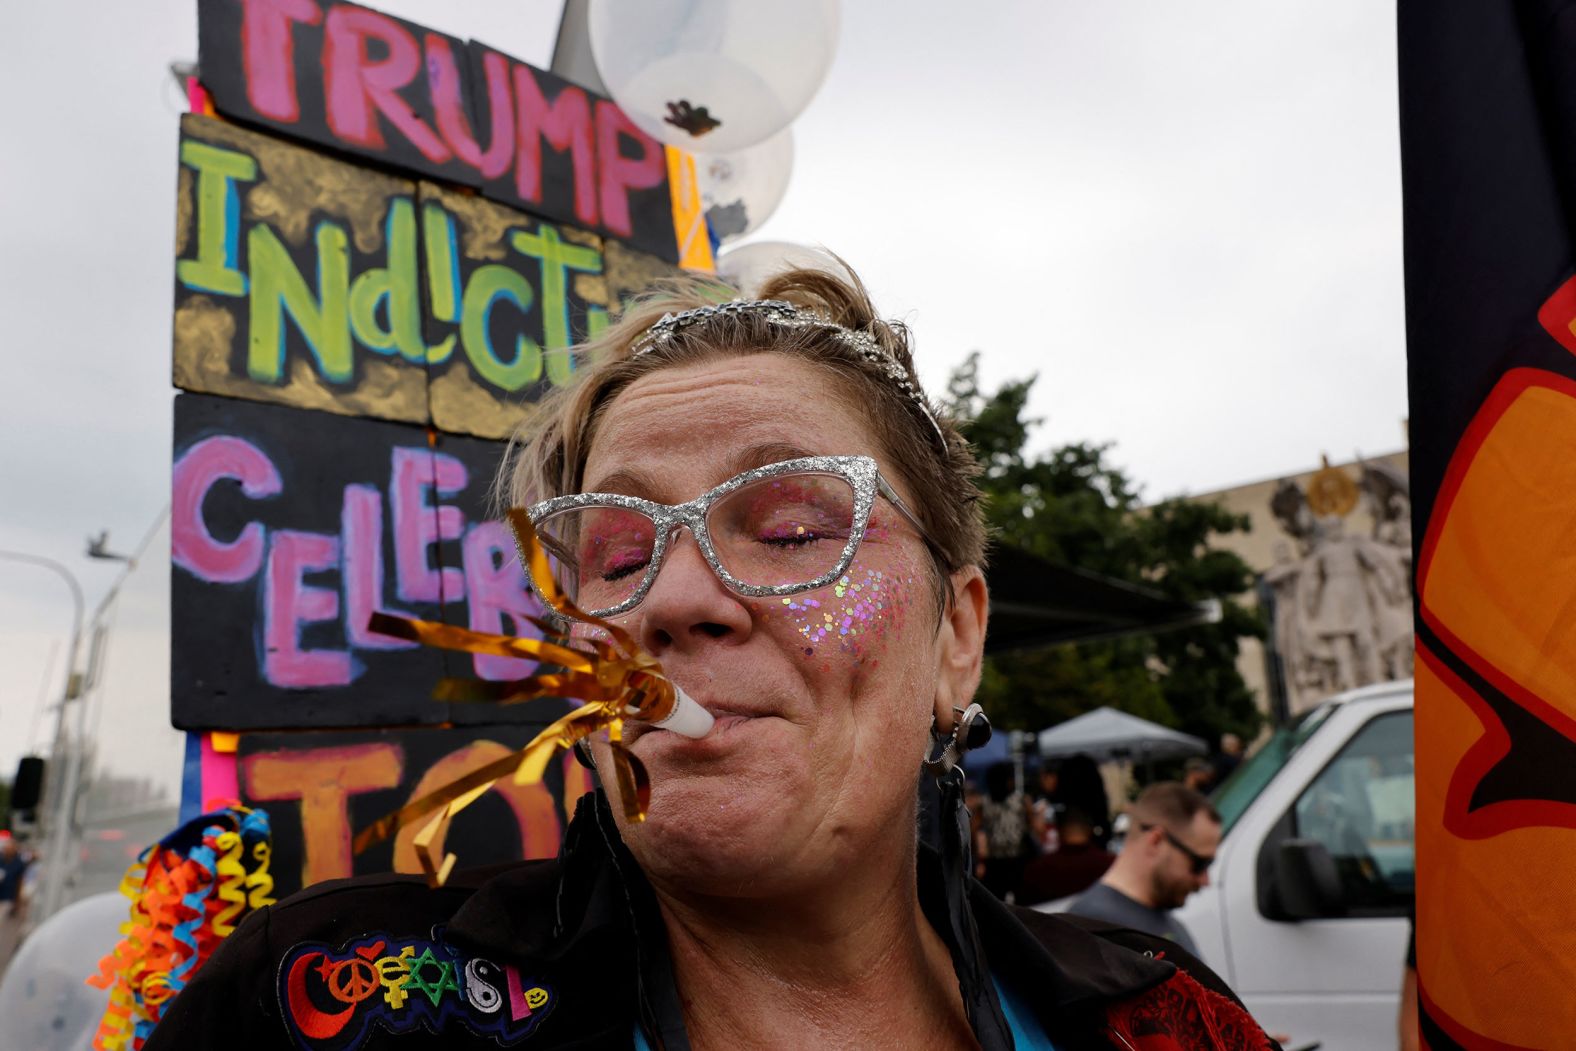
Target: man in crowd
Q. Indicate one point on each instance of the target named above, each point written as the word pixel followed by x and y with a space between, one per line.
pixel 1075 864
pixel 1171 840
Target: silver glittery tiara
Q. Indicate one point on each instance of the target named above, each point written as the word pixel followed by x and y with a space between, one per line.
pixel 782 314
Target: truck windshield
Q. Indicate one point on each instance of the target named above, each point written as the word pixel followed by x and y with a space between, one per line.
pixel 1239 790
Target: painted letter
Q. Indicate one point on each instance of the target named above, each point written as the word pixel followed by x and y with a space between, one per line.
pixel 218 218
pixel 448 95
pixel 323 779
pixel 192 546
pixel 395 286
pixel 557 257
pixel 620 174
pixel 419 524
pixel 566 125
pixel 496 596
pixel 488 284
pixel 443 274
pixel 443 261
pixel 277 286
pixel 288 602
pixel 356 89
pixel 361 532
pixel 268 53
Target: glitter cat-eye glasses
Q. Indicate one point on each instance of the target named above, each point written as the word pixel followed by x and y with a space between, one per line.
pixel 778 530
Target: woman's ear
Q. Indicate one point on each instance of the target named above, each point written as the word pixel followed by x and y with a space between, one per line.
pixel 960 647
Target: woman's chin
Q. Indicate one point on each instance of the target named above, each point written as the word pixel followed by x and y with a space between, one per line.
pixel 708 835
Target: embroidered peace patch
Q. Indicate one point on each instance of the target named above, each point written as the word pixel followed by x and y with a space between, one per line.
pixel 331 998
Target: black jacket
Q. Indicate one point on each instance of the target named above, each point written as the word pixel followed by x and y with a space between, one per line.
pixel 571 953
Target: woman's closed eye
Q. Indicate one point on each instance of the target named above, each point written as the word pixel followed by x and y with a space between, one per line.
pixel 799 536
pixel 624 568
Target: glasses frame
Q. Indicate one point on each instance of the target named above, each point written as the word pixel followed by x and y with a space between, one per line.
pixel 860 472
pixel 1200 862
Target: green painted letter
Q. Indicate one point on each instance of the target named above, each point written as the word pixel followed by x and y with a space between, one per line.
pixel 557 258
pixel 487 285
pixel 395 287
pixel 217 218
pixel 277 287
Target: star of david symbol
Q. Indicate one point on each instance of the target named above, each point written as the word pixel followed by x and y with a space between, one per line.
pixel 435 989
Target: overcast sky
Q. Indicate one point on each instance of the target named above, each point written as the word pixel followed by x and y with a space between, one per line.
pixel 1184 217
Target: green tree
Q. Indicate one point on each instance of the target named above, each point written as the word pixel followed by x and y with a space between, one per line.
pixel 1071 505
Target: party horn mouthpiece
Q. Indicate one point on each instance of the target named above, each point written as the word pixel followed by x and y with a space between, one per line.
pixel 688 718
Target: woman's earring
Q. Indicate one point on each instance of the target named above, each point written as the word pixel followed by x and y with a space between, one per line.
pixel 970 729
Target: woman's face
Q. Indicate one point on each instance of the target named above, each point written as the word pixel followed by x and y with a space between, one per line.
pixel 823 700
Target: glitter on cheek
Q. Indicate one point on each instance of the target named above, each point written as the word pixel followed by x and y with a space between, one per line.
pixel 869 604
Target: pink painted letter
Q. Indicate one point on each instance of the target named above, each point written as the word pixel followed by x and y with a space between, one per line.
pixel 268 53
pixel 192 546
pixel 620 174
pixel 361 532
pixel 288 602
pixel 419 524
pixel 495 589
pixel 356 89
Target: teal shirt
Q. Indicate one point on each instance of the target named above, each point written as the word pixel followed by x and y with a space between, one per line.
pixel 1027 1033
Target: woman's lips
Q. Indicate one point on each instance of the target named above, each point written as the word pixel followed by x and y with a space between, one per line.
pixel 727 724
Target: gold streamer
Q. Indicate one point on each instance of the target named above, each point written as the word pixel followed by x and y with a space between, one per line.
pixel 616 679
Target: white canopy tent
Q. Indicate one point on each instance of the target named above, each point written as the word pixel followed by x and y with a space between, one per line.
pixel 1106 733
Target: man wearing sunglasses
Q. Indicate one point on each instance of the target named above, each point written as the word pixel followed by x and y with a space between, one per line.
pixel 1171 840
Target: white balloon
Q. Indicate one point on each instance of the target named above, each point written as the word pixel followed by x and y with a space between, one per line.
pixel 741 190
pixel 45 1002
pixel 713 76
pixel 750 266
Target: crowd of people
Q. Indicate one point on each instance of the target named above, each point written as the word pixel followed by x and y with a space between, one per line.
pixel 1056 843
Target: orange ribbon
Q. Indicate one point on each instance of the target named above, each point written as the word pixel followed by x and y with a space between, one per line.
pixel 615 679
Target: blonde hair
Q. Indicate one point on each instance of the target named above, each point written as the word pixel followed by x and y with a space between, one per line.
pixel 548 453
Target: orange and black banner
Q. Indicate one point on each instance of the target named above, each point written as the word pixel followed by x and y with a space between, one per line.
pixel 1488 135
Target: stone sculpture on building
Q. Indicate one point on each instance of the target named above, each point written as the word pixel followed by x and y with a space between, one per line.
pixel 1342 600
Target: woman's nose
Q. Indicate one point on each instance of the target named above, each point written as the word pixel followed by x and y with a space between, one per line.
pixel 688 603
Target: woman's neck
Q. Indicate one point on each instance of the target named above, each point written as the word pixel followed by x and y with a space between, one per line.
pixel 854 964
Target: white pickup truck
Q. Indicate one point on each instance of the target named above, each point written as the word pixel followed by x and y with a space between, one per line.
pixel 1306 912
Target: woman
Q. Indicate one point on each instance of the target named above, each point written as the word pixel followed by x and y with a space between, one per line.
pixel 775 897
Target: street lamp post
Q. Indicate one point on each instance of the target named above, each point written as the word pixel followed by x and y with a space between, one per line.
pixel 66 774
pixel 59 822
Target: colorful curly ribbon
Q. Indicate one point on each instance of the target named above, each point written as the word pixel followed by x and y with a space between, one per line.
pixel 616 679
pixel 183 893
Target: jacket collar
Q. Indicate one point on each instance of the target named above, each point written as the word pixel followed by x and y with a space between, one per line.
pixel 594 895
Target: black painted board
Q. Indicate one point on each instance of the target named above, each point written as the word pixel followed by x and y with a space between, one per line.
pixel 298 277
pixel 340 75
pixel 507 296
pixel 579 158
pixel 283 522
pixel 322 787
pixel 496 593
pixel 364 83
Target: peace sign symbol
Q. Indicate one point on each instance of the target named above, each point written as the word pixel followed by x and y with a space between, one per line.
pixel 352 981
